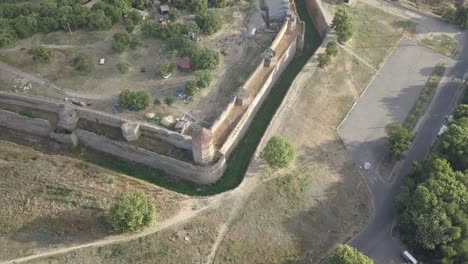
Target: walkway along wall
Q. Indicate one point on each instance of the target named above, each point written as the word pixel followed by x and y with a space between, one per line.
pixel 320 19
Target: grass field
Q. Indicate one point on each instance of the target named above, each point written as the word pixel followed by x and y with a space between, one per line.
pixel 50 201
pixel 441 43
pixel 377 32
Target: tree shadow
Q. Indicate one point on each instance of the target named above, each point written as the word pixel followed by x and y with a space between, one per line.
pixel 66 227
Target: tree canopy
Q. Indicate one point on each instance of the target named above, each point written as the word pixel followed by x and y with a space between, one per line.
pixel 432 207
pixel 209 22
pixel 345 254
pixel 134 212
pixel 278 152
pixel 400 139
pixel 42 55
pixel 342 23
pixel 138 100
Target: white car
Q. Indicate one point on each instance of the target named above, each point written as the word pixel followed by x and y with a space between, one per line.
pixel 166 76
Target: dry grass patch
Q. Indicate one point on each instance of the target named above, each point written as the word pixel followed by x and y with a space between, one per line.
pixel 377 33
pixel 443 44
pixel 168 246
pixel 50 201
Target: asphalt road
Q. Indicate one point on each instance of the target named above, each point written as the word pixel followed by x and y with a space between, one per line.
pixel 376 240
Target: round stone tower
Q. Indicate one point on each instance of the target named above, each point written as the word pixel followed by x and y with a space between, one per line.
pixel 202 145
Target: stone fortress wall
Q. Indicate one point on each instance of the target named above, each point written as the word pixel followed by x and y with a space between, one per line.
pixel 69 116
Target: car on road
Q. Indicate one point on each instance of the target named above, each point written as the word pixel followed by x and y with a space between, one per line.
pixel 408 257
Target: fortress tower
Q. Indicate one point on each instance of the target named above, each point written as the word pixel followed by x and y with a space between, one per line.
pixel 202 145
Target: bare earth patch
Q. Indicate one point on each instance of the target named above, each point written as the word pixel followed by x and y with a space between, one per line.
pixel 51 201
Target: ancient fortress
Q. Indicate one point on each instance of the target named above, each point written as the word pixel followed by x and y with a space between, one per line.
pixel 209 148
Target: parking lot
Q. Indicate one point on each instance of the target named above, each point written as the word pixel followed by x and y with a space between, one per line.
pixel 388 99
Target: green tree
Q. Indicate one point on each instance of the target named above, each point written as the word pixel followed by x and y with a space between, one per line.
pixel 42 55
pixel 141 4
pixel 135 44
pixel 122 37
pixel 166 68
pixel 332 49
pixel 453 144
pixel 134 100
pixel 323 60
pixel 209 22
pixel 204 79
pixel 25 26
pixel 199 6
pixel 180 4
pixel 97 20
pixel 190 88
pixel 345 254
pixel 461 111
pixel 278 152
pixel 118 47
pixel 450 14
pixel 135 17
pixel 153 29
pixel 81 63
pixel 123 67
pixel 400 139
pixel 7 34
pixel 174 14
pixel 205 59
pixel 134 212
pixel 343 24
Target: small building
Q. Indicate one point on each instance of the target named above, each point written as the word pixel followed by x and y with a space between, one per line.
pixel 164 9
pixel 143 14
pixel 185 64
pixel 102 61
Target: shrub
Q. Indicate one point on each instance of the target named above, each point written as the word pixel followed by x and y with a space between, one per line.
pixel 190 88
pixel 134 212
pixel 134 100
pixel 157 101
pixel 345 254
pixel 118 47
pixel 143 69
pixel 180 4
pixel 199 6
pixel 450 14
pixel 134 17
pixel 399 140
pixel 169 100
pixel 461 111
pixel 135 44
pixel 81 64
pixel 174 14
pixel 129 27
pixel 122 37
pixel 42 55
pixel 342 23
pixel 123 67
pixel 204 79
pixel 166 68
pixel 220 3
pixel 332 49
pixel 209 22
pixel 205 59
pixel 323 59
pixel 153 29
pixel 278 153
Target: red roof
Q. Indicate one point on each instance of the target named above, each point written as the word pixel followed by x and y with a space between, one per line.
pixel 185 63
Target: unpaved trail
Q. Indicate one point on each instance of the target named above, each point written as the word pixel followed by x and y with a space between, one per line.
pixel 186 212
pixel 42 81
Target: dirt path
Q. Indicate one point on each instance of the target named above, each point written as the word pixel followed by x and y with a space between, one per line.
pixel 42 81
pixel 358 57
pixel 186 213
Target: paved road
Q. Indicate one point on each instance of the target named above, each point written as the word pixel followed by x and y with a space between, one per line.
pixel 376 239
